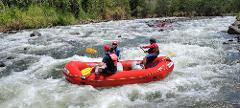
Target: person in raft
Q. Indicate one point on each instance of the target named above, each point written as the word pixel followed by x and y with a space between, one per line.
pixel 153 52
pixel 109 62
pixel 115 49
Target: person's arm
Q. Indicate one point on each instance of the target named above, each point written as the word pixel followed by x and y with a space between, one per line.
pixel 149 46
pixel 103 65
pixel 118 52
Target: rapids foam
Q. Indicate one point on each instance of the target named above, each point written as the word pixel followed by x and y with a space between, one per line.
pixel 203 66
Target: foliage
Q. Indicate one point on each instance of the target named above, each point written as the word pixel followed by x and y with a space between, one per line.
pixel 19 14
pixel 34 17
pixel 238 16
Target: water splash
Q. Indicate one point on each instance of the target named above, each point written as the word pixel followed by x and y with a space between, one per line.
pixel 205 75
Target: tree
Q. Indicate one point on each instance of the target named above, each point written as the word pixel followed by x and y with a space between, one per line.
pixel 162 8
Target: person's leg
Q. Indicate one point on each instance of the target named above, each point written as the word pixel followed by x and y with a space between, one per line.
pixel 144 62
pixel 96 69
pixel 106 71
pixel 99 68
pixel 149 58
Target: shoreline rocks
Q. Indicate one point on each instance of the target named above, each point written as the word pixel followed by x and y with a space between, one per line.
pixel 234 28
pixel 35 33
pixel 167 19
pixel 2 64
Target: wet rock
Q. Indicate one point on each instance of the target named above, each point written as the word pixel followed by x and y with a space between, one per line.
pixel 35 33
pixel 119 36
pixel 2 64
pixel 87 34
pixel 74 33
pixel 225 43
pixel 236 23
pixel 238 61
pixel 12 32
pixel 234 28
pixel 150 25
pixel 21 65
pixel 10 57
pixel 161 30
pixel 25 48
pixel 238 39
pixel 170 95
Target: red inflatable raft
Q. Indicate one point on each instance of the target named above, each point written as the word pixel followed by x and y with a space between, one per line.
pixel 82 73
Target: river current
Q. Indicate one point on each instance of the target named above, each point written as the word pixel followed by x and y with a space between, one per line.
pixel 206 73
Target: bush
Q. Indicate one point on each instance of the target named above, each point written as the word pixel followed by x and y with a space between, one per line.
pixel 11 18
pixel 5 17
pixel 2 7
pixel 238 16
pixel 66 18
pixel 119 13
pixel 34 17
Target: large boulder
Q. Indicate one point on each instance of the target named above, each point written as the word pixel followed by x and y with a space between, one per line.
pixel 234 28
pixel 236 23
pixel 35 33
pixel 2 64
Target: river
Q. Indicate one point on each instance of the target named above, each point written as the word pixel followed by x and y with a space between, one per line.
pixel 206 73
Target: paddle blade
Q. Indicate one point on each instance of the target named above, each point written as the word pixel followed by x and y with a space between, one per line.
pixel 90 51
pixel 171 54
pixel 86 71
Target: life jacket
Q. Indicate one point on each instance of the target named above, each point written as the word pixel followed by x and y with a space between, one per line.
pixel 154 50
pixel 114 58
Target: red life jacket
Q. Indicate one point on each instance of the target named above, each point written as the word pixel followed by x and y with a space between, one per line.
pixel 114 58
pixel 154 50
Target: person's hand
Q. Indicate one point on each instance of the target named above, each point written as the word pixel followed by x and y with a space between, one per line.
pixel 99 64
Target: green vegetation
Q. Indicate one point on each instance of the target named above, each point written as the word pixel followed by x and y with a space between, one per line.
pixel 21 14
pixel 238 17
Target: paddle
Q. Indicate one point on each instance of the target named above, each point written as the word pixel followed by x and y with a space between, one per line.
pixel 90 50
pixel 143 50
pixel 170 54
pixel 86 71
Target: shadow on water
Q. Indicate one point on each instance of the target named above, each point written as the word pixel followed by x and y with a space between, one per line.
pixel 18 65
pixel 70 48
pixel 56 72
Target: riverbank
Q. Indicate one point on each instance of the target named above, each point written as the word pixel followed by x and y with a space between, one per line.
pixel 206 72
pixel 14 29
pixel 18 15
pixel 235 27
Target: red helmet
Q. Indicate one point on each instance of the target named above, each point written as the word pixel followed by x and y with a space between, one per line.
pixel 106 47
pixel 114 42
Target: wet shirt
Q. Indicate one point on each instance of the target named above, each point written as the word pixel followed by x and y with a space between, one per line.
pixel 109 62
pixel 117 51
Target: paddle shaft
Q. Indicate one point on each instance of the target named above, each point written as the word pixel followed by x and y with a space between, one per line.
pixel 143 50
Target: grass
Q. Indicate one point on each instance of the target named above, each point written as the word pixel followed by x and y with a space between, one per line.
pixel 33 17
pixel 238 16
pixel 37 16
